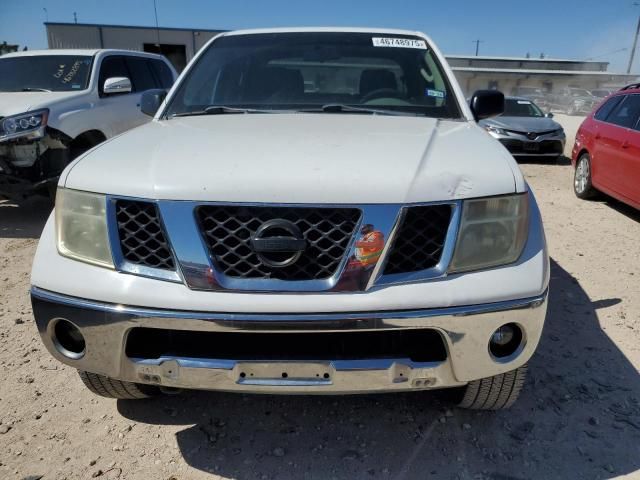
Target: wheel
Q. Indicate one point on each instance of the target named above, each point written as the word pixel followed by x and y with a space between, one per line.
pixel 582 178
pixel 494 393
pixel 111 388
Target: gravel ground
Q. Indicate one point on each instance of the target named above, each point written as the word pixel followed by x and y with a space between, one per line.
pixel 578 418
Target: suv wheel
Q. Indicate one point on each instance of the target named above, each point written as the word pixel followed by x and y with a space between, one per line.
pixel 494 393
pixel 582 178
pixel 111 388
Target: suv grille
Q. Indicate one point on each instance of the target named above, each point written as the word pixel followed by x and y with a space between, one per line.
pixel 142 237
pixel 227 231
pixel 420 239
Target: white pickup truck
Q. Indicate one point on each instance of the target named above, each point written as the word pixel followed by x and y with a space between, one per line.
pixel 57 104
pixel 311 211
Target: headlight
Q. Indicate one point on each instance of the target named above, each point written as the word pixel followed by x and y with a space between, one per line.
pixel 493 232
pixel 496 130
pixel 81 227
pixel 31 124
pixel 558 132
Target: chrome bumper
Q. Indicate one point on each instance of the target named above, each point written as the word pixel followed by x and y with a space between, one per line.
pixel 465 331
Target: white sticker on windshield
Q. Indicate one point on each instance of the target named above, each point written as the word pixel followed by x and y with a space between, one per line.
pixel 524 102
pixel 399 43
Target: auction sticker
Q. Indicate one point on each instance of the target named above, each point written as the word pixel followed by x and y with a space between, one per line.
pixel 399 43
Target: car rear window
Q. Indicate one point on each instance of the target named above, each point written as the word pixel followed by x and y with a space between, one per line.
pixel 604 111
pixel 141 74
pixel 626 112
pixel 163 73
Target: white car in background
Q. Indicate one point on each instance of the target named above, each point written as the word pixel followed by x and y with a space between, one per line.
pixel 57 104
pixel 311 211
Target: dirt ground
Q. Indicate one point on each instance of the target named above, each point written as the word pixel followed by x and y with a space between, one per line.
pixel 578 418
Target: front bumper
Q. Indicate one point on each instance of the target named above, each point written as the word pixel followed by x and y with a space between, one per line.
pixel 30 166
pixel 465 332
pixel 542 146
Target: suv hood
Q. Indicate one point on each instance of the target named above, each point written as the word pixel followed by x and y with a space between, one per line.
pixel 524 124
pixel 13 103
pixel 300 158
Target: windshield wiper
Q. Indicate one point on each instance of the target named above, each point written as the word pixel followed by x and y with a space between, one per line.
pixel 36 89
pixel 342 108
pixel 219 110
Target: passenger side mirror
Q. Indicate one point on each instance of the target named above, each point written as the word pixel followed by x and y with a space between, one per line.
pixel 116 85
pixel 549 115
pixel 151 101
pixel 487 104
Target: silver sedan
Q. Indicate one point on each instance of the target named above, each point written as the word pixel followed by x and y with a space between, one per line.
pixel 525 130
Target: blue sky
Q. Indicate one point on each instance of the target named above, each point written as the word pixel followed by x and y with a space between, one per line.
pixel 562 28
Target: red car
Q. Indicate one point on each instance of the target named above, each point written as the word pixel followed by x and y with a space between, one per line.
pixel 606 154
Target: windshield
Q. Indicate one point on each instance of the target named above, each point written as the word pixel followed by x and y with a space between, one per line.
pixel 55 73
pixel 309 70
pixel 600 93
pixel 521 108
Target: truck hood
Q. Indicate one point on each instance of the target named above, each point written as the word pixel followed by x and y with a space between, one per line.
pixel 300 158
pixel 524 124
pixel 13 103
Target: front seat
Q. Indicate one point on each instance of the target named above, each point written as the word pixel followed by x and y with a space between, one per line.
pixel 372 80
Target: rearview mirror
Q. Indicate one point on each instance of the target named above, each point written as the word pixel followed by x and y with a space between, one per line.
pixel 151 101
pixel 549 115
pixel 487 104
pixel 115 85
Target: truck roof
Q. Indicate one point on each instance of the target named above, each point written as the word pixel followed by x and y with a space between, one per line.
pixel 388 31
pixel 76 51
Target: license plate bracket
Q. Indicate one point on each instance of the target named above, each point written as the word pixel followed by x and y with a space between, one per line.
pixel 283 373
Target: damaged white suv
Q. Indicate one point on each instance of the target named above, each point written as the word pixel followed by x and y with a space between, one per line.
pixel 311 211
pixel 57 104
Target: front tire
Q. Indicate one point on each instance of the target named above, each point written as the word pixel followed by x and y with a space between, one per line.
pixel 110 388
pixel 582 185
pixel 494 393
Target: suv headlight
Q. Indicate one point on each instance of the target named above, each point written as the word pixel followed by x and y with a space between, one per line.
pixel 81 227
pixel 493 232
pixel 30 124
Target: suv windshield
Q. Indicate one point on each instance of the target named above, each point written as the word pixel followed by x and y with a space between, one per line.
pixel 55 73
pixel 311 70
pixel 521 108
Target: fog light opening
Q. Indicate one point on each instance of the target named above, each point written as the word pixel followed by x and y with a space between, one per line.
pixel 68 339
pixel 505 341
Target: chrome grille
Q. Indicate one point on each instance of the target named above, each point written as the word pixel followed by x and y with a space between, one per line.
pixel 419 241
pixel 227 231
pixel 142 237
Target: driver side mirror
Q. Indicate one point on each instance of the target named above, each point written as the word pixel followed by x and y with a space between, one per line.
pixel 486 104
pixel 549 115
pixel 151 100
pixel 116 85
